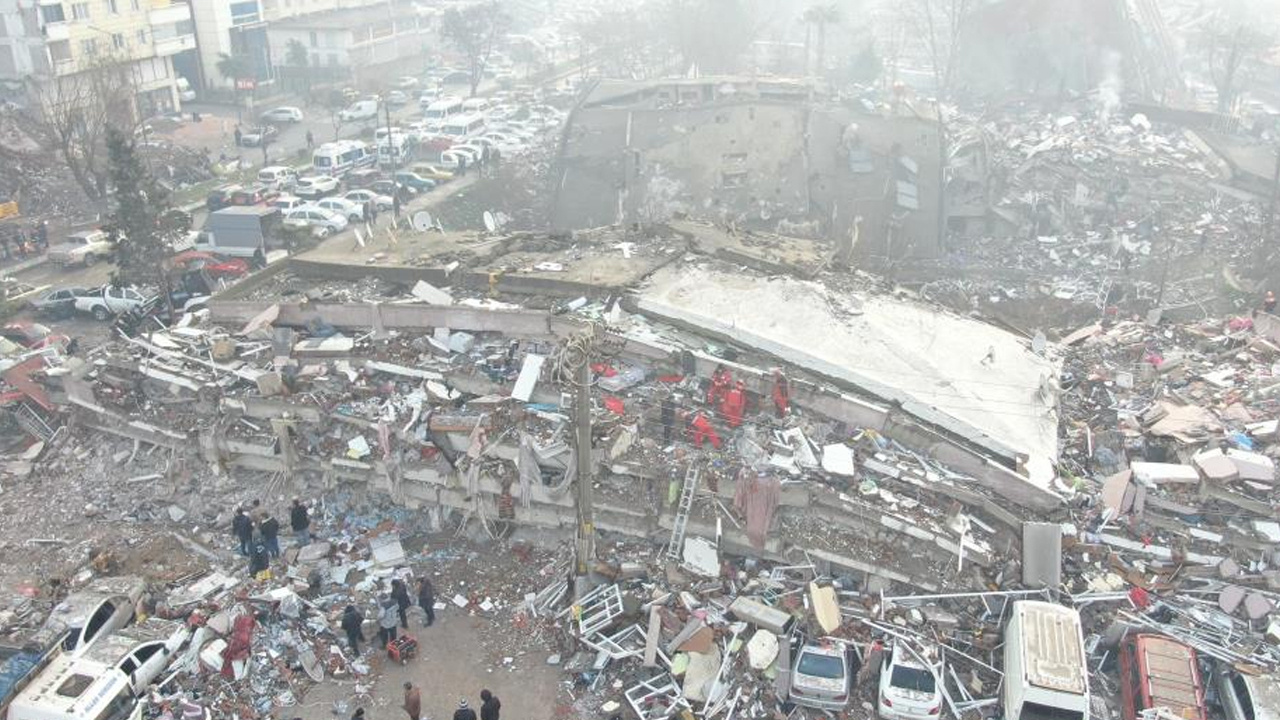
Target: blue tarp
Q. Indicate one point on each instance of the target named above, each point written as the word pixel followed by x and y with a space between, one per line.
pixel 14 669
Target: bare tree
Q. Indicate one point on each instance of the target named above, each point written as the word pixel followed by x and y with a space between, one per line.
pixel 474 31
pixel 820 16
pixel 939 24
pixel 78 109
pixel 1230 49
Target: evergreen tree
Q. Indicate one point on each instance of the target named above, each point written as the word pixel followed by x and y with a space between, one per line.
pixel 143 224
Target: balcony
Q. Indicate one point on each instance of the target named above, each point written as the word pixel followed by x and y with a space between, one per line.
pixel 54 32
pixel 171 29
pixel 174 45
pixel 169 14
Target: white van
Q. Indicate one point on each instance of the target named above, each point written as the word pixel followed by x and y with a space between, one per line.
pixel 360 110
pixel 337 158
pixel 442 109
pixel 86 616
pixel 1045 675
pixel 278 177
pixel 185 93
pixel 475 105
pixel 463 126
pixel 395 150
pixel 106 682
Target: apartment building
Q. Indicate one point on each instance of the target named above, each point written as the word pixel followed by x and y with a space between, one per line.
pixel 51 41
pixel 363 42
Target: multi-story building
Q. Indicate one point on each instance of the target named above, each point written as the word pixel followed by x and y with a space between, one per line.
pixel 47 42
pixel 376 39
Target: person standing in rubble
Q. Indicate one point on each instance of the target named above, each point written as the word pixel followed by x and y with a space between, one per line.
pixel 242 526
pixel 300 522
pixel 257 513
pixel 400 594
pixel 720 380
pixel 490 705
pixel 1269 303
pixel 387 619
pixel 781 393
pixel 734 404
pixel 463 712
pixel 427 600
pixel 270 529
pixel 412 701
pixel 352 625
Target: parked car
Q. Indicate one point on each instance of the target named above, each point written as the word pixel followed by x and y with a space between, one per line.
pixel 406 82
pixel 362 177
pixel 451 159
pixel 278 177
pixel 352 211
pixel 359 110
pixel 381 202
pixel 322 222
pixel 396 98
pixel 456 77
pixel 288 202
pixel 255 194
pixel 391 188
pixel 82 248
pixel 85 617
pixel 58 303
pixel 414 180
pixel 821 677
pixel 284 114
pixel 263 135
pixel 432 172
pixel 314 187
pixel 219 198
pixel 109 300
pixel 908 686
pixel 216 266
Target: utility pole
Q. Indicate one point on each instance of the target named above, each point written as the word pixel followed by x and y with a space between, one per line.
pixel 386 106
pixel 586 537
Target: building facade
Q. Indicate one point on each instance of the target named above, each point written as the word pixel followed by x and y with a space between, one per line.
pixel 381 39
pixel 48 42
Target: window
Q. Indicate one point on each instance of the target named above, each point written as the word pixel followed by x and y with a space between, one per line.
pixel 315 41
pixel 113 7
pixel 52 14
pixel 89 47
pixel 74 686
pixel 142 37
pixel 117 41
pixel 80 11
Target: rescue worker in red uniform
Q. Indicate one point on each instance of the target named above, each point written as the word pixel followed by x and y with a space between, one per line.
pixel 734 403
pixel 781 393
pixel 720 380
pixel 700 430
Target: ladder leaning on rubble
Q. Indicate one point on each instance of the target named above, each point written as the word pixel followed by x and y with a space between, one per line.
pixel 683 508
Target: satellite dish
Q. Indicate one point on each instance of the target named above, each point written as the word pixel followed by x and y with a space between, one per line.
pixel 422 221
pixel 490 223
pixel 765 213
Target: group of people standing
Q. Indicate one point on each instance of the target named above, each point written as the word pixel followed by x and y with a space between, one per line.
pixel 258 533
pixel 726 401
pixel 490 706
pixel 21 242
pixel 391 612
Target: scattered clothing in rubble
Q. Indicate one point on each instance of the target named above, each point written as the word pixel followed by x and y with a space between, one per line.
pixel 400 594
pixel 242 526
pixel 240 646
pixel 270 529
pixel 300 522
pixel 412 701
pixel 388 617
pixel 351 625
pixel 490 705
pixel 463 712
pixel 756 497
pixel 427 600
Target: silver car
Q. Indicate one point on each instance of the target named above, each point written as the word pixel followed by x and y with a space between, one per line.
pixel 1245 697
pixel 821 677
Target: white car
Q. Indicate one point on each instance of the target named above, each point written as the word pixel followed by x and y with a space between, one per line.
pixel 451 159
pixel 406 82
pixel 360 110
pixel 284 114
pixel 278 177
pixel 396 98
pixel 287 203
pixel 382 202
pixel 352 211
pixel 821 677
pixel 428 96
pixel 475 151
pixel 908 686
pixel 321 221
pixel 314 187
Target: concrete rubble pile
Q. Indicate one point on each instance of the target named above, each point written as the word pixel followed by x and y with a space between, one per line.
pixel 1098 210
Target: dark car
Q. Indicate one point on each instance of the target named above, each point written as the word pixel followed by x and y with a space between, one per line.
pixel 362 178
pixel 264 135
pixel 253 195
pixel 219 198
pixel 391 188
pixel 59 303
pixel 414 180
pixel 457 77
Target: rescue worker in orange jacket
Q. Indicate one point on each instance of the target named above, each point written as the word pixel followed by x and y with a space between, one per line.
pixel 734 404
